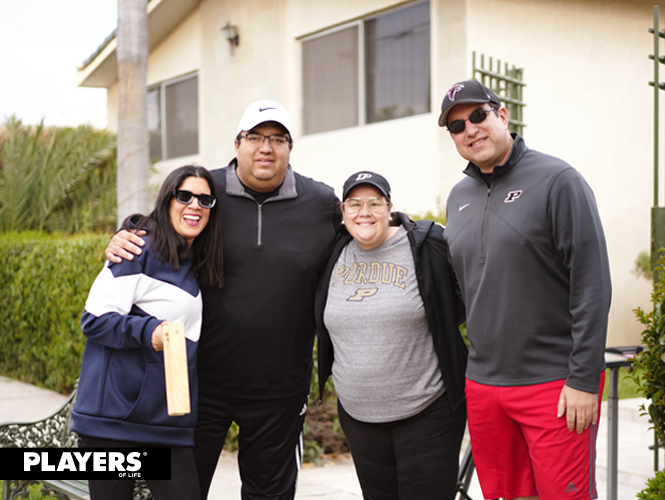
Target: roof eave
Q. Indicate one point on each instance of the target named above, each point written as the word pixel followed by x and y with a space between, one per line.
pixel 101 68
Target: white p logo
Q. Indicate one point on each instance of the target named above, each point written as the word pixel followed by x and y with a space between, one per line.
pixel 362 177
pixel 512 196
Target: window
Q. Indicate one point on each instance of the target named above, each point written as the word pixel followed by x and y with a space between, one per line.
pixel 369 71
pixel 331 102
pixel 173 118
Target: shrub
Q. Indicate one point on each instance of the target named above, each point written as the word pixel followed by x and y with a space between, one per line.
pixel 323 432
pixel 642 266
pixel 46 278
pixel 438 216
pixel 651 361
pixel 45 282
pixel 655 489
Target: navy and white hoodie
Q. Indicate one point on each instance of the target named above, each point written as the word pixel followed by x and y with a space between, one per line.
pixel 122 393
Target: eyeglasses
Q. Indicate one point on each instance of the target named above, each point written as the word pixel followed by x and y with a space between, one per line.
pixel 256 139
pixel 186 197
pixel 478 116
pixel 377 206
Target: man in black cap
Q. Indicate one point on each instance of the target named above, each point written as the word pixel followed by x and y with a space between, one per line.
pixel 528 249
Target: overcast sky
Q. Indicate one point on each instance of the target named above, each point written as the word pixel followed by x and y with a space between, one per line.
pixel 42 42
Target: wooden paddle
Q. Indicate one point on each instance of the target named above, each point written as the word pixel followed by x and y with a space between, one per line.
pixel 175 369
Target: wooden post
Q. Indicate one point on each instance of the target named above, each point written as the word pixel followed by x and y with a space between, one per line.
pixel 175 369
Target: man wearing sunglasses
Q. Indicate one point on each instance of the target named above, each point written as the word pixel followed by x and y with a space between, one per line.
pixel 255 352
pixel 527 246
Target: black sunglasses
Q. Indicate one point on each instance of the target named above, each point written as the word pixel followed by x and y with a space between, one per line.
pixel 186 197
pixel 478 116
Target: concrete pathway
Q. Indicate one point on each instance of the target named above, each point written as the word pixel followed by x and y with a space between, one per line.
pixel 20 402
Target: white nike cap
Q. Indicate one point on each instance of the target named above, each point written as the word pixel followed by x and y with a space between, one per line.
pixel 264 110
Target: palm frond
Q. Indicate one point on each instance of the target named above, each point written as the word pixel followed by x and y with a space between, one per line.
pixel 57 178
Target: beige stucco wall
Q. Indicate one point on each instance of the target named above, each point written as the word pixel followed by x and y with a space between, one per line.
pixel 586 68
pixel 587 71
pixel 399 149
pixel 179 54
pixel 112 107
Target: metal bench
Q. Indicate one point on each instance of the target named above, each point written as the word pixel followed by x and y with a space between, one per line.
pixel 51 432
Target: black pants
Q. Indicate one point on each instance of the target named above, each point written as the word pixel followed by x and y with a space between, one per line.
pixel 412 459
pixel 270 442
pixel 183 485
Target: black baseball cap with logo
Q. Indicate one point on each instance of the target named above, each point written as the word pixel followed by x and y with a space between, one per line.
pixel 469 91
pixel 366 177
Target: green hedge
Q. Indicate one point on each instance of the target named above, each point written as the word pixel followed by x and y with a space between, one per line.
pixel 45 281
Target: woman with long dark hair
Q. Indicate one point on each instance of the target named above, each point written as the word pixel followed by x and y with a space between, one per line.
pixel 122 397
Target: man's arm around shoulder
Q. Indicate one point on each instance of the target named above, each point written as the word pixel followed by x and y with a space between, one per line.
pixel 125 243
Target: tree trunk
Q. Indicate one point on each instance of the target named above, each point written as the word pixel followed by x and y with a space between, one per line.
pixel 133 150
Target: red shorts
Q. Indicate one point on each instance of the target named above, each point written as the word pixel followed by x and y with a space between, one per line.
pixel 521 448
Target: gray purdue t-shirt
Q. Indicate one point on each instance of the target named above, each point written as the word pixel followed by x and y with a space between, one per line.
pixel 385 367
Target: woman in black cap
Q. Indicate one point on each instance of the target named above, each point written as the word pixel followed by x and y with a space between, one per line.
pixel 388 316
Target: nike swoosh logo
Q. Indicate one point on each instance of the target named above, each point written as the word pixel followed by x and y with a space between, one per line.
pixel 264 109
pixel 464 206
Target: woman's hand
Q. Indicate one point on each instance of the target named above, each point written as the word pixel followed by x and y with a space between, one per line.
pixel 157 338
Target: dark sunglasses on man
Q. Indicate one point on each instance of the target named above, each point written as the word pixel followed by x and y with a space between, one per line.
pixel 478 116
pixel 186 197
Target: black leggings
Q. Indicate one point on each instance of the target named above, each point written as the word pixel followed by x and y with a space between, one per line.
pixel 416 458
pixel 183 485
